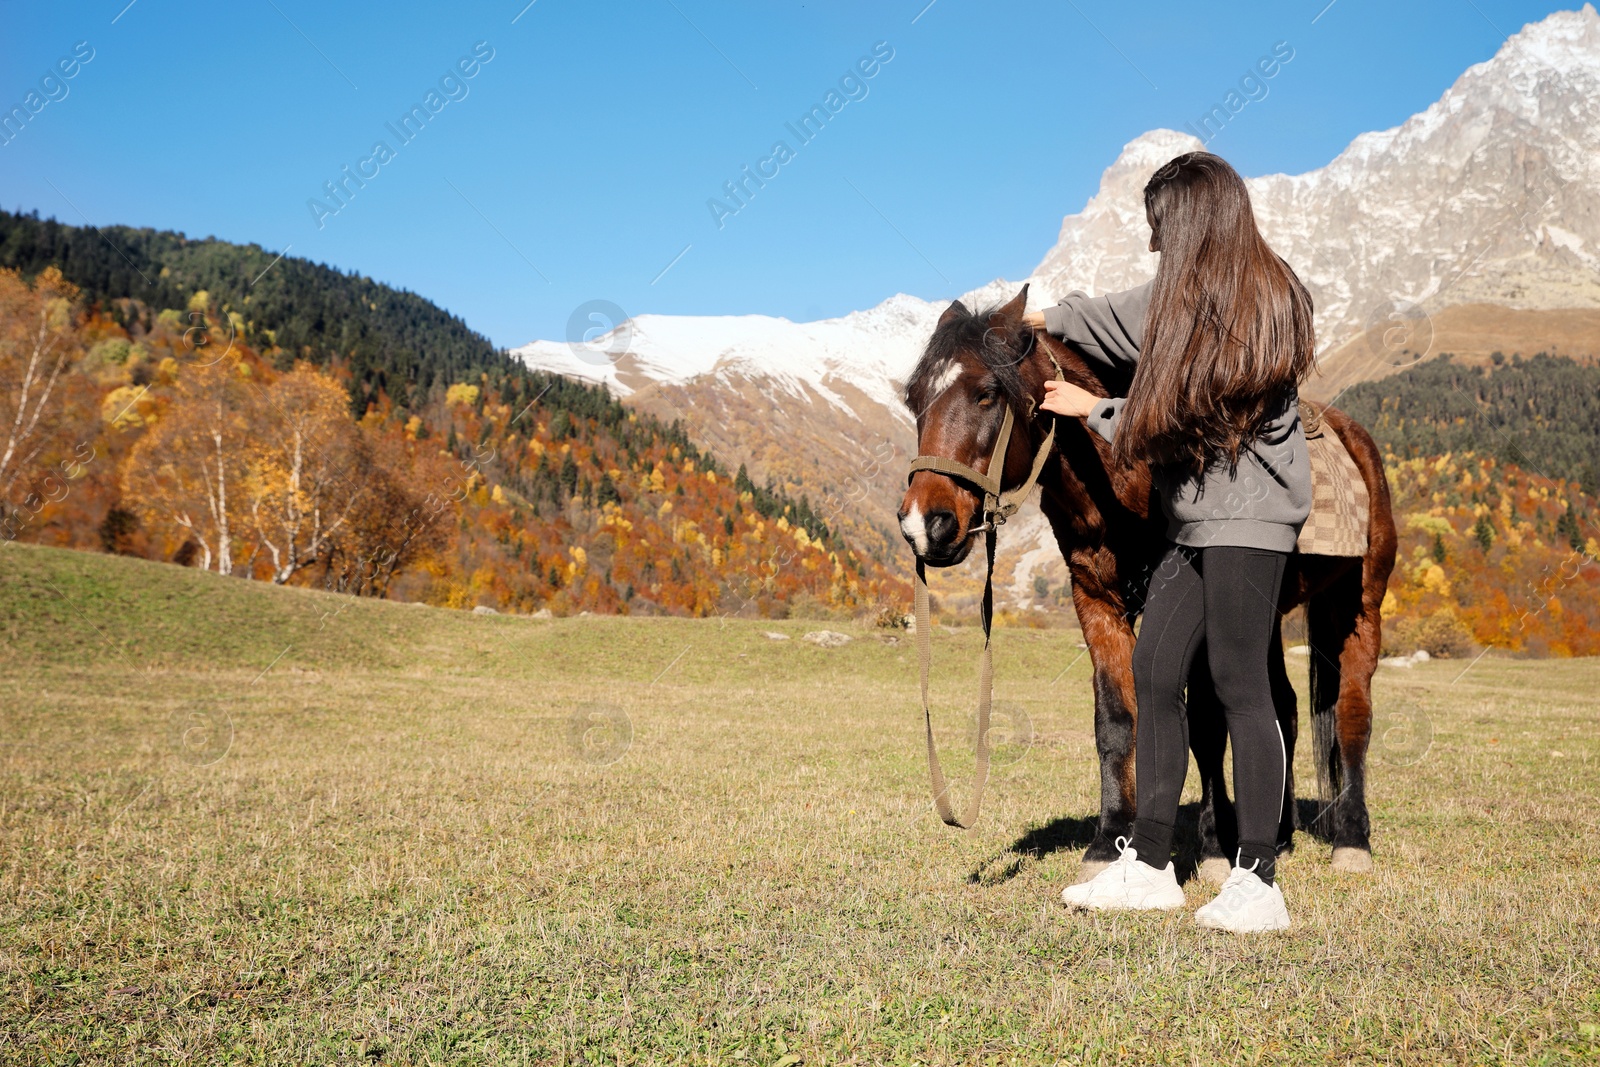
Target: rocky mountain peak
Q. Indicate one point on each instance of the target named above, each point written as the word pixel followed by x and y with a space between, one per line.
pixel 1486 196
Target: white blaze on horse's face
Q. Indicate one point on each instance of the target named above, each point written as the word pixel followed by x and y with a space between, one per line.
pixel 946 378
pixel 915 530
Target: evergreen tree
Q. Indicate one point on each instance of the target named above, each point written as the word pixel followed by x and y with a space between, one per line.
pixel 1568 524
pixel 569 475
pixel 1484 532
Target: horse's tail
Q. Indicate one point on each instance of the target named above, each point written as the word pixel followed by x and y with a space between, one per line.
pixel 1328 623
pixel 1352 602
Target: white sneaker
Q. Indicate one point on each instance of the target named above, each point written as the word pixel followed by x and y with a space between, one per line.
pixel 1246 905
pixel 1127 884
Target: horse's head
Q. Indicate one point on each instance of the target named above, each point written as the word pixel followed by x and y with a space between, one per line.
pixel 976 368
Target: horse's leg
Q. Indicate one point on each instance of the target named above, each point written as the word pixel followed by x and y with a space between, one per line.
pixel 1352 840
pixel 1287 705
pixel 1208 740
pixel 1344 653
pixel 1109 635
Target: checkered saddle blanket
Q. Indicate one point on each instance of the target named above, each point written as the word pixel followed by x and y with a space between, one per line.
pixel 1337 525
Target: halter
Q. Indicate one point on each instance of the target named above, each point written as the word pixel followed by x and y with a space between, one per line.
pixel 999 504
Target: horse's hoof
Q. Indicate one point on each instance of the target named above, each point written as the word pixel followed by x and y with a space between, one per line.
pixel 1349 860
pixel 1215 870
pixel 1089 868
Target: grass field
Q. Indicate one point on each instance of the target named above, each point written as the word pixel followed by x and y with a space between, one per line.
pixel 241 824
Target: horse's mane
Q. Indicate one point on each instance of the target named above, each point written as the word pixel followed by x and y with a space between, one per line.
pixel 1002 349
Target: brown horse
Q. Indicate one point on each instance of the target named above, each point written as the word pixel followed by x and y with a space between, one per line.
pixel 974 366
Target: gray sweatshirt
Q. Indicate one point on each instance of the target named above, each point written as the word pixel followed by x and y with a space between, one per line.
pixel 1262 505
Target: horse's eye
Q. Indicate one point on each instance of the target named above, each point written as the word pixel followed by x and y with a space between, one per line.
pixel 988 397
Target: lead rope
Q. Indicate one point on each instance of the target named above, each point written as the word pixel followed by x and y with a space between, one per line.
pixel 941 788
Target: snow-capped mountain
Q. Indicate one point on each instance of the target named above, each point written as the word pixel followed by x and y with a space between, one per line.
pixel 871 350
pixel 1489 196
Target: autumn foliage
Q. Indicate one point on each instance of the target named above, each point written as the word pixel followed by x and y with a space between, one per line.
pixel 1492 555
pixel 173 437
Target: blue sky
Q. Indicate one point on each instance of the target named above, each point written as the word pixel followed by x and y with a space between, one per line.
pixel 577 163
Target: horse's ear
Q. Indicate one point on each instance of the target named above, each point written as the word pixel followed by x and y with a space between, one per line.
pixel 1011 309
pixel 955 311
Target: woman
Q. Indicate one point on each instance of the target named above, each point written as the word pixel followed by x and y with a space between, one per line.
pixel 1220 341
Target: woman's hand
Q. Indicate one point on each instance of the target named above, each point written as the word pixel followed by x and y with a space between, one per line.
pixel 1034 319
pixel 1064 398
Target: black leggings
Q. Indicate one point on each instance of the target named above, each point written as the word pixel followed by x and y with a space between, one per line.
pixel 1224 598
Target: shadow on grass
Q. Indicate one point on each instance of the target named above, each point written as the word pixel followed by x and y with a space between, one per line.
pixel 1058 835
pixel 1070 834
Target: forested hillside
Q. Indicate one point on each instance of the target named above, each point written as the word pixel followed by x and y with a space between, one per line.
pixel 321 428
pixel 1541 413
pixel 390 341
pixel 1494 472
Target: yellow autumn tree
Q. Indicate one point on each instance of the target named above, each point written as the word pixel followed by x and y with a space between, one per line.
pixel 302 474
pixel 38 342
pixel 186 478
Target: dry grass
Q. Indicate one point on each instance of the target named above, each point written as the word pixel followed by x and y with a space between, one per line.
pixel 402 853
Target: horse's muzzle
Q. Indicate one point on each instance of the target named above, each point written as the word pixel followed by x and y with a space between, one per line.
pixel 936 537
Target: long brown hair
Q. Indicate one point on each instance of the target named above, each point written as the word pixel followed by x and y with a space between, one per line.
pixel 1229 329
